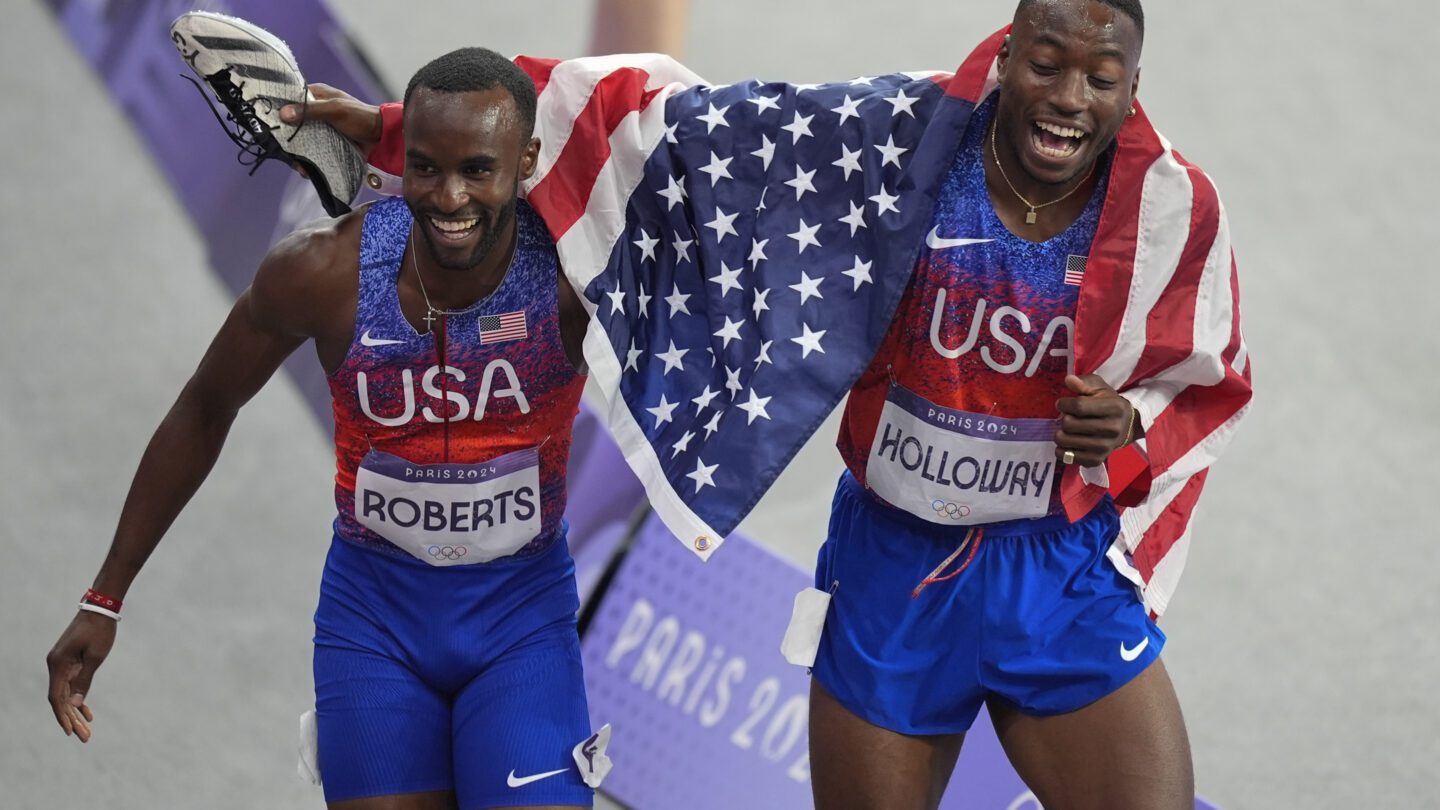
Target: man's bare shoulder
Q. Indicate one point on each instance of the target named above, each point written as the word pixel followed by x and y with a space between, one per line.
pixel 309 275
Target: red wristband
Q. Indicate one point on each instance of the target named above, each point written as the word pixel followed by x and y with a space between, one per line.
pixel 94 597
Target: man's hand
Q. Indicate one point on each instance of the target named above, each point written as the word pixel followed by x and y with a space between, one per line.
pixel 356 120
pixel 72 662
pixel 1094 424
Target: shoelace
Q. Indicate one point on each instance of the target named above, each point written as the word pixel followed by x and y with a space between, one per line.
pixel 240 114
pixel 975 535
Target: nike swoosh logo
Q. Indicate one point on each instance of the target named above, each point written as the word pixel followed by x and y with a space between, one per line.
pixel 521 781
pixel 1132 654
pixel 366 340
pixel 934 242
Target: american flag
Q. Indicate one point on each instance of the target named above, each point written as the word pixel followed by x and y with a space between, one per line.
pixel 504 327
pixel 1075 270
pixel 741 249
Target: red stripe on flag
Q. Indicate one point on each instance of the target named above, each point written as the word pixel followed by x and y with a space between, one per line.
pixel 1170 326
pixel 969 81
pixel 1200 410
pixel 1112 255
pixel 562 196
pixel 1168 528
pixel 537 69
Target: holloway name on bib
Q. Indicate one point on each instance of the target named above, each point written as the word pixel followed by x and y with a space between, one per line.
pixel 960 468
pixel 451 514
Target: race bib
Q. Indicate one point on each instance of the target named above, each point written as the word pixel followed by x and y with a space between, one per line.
pixel 959 468
pixel 451 514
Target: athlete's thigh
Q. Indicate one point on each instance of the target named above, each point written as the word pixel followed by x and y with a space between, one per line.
pixel 518 725
pixel 1126 750
pixel 855 765
pixel 431 800
pixel 382 733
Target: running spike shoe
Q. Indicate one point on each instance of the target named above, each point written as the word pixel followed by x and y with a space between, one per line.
pixel 253 74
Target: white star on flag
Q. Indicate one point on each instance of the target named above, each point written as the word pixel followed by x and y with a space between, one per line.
pixel 723 224
pixel 632 357
pixel 674 193
pixel 800 127
pixel 810 340
pixel 682 248
pixel 766 150
pixel 730 331
pixel 717 169
pixel 764 356
pixel 728 279
pixel 703 476
pixel 860 272
pixel 890 153
pixel 732 382
pixel 759 305
pixel 663 411
pixel 647 244
pixel 716 118
pixel 902 103
pixel 763 103
pixel 803 182
pixel 806 235
pixel 755 407
pixel 849 109
pixel 886 201
pixel 703 401
pixel 617 301
pixel 684 443
pixel 676 300
pixel 808 287
pixel 673 358
pixel 849 161
pixel 855 219
pixel 757 252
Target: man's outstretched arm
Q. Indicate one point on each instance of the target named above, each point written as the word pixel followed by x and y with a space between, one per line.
pixel 257 336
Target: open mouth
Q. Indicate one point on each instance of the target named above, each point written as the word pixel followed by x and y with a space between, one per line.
pixel 1055 141
pixel 453 230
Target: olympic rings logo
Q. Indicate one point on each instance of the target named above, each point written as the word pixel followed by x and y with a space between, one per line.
pixel 447 552
pixel 953 511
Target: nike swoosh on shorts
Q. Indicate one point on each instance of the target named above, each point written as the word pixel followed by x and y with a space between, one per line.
pixel 521 781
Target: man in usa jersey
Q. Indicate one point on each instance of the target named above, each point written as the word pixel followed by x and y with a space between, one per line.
pixel 1029 297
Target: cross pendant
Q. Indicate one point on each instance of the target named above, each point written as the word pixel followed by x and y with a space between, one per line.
pixel 1030 217
pixel 429 319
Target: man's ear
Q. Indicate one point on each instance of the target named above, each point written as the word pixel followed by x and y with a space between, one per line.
pixel 1003 59
pixel 529 158
pixel 1135 87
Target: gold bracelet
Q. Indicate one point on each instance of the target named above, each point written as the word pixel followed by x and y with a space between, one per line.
pixel 1129 431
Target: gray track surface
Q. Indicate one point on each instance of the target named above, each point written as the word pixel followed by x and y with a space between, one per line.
pixel 1301 642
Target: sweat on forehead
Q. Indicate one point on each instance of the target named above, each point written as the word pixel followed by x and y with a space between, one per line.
pixel 1130 8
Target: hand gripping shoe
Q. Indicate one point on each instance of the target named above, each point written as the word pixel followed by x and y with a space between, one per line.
pixel 253 74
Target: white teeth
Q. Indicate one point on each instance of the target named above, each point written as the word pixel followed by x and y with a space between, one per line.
pixel 1064 132
pixel 453 227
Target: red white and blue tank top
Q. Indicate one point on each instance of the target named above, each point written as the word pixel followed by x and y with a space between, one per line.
pixel 977 353
pixel 503 397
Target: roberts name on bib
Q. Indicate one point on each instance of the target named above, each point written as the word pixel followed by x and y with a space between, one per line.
pixel 959 468
pixel 451 514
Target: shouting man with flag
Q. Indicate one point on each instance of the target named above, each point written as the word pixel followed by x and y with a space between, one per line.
pixel 1029 297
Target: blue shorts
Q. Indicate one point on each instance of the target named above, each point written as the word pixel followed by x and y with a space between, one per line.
pixel 464 678
pixel 1041 619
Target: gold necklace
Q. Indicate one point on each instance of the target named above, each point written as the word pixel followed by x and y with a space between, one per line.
pixel 1030 217
pixel 432 312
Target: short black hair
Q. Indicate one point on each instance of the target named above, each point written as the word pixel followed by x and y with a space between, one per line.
pixel 1130 8
pixel 472 69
